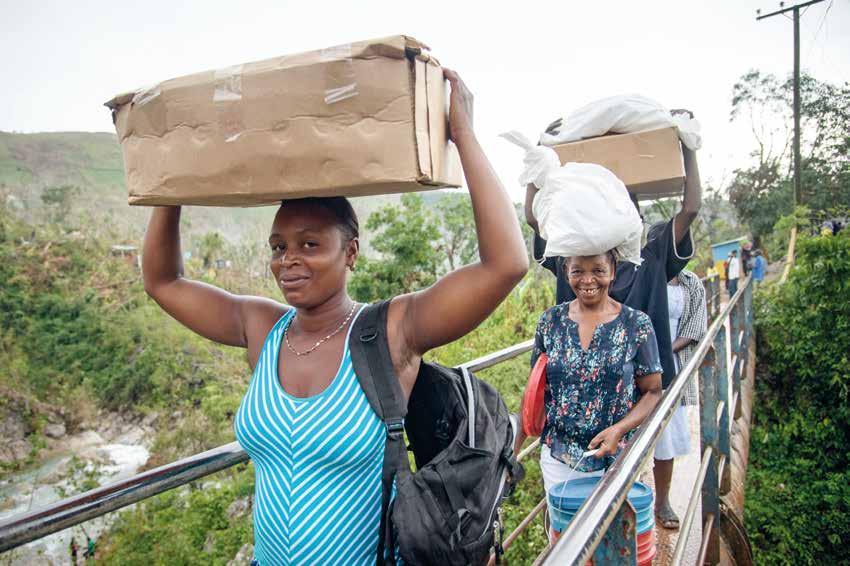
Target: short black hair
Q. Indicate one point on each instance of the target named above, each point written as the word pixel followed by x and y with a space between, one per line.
pixel 341 209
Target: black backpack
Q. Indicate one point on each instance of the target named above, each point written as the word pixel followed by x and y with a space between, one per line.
pixel 448 511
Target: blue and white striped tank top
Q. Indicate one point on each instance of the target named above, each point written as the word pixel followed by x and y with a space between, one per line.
pixel 318 460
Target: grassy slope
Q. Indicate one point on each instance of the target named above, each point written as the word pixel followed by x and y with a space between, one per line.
pixel 85 159
pixel 93 162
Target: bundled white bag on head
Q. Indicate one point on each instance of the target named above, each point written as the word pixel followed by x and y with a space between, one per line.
pixel 624 114
pixel 581 209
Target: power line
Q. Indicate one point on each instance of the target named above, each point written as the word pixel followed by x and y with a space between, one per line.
pixel 796 12
pixel 820 27
pixel 816 35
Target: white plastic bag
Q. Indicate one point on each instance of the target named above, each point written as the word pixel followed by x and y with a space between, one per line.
pixel 623 115
pixel 581 209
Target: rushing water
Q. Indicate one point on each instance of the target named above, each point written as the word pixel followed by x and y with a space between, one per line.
pixel 88 459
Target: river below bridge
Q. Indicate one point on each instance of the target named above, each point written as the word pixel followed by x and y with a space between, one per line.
pixel 84 461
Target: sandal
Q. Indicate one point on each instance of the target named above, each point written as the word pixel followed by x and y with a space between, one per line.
pixel 666 517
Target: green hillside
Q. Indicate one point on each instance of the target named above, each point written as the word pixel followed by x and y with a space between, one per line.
pixel 92 161
pixel 79 158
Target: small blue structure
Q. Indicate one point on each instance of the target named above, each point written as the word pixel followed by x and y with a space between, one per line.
pixel 719 252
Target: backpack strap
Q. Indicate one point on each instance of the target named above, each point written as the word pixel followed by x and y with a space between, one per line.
pixel 370 355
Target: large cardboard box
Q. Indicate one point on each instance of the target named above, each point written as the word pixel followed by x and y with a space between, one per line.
pixel 649 163
pixel 357 119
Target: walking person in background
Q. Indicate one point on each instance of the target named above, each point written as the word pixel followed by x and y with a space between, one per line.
pixel 746 258
pixel 759 267
pixel 89 553
pixel 688 323
pixel 316 444
pixel 74 550
pixel 733 274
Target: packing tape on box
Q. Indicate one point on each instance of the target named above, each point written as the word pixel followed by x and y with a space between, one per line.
pixel 227 96
pixel 228 84
pixel 153 114
pixel 145 95
pixel 340 78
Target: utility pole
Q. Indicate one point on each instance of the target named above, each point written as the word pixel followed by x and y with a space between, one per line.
pixel 798 196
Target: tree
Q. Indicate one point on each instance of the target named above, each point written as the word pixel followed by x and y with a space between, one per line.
pixel 58 200
pixel 407 239
pixel 210 246
pixel 763 192
pixel 798 484
pixel 459 241
pixel 716 222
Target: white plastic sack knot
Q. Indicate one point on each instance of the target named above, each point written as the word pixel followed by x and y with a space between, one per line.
pixel 624 114
pixel 582 209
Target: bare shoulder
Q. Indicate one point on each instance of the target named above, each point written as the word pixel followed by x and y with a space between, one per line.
pixel 259 315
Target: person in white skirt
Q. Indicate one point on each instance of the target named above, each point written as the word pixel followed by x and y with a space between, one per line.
pixel 688 320
pixel 603 373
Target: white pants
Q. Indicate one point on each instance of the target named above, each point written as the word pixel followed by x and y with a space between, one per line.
pixel 675 439
pixel 554 472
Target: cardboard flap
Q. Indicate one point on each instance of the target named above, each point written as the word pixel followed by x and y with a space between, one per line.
pixel 395 47
pixel 422 130
pixel 445 161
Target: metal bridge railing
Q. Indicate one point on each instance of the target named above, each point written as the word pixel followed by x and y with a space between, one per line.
pixel 27 527
pixel 726 339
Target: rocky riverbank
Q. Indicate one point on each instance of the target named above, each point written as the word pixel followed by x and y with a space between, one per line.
pixel 70 458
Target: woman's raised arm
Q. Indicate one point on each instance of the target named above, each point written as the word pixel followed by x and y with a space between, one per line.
pixel 462 299
pixel 205 309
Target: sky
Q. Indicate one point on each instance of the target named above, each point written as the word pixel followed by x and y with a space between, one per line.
pixel 526 62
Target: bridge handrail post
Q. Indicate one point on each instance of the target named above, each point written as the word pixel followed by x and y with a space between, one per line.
pixel 619 545
pixel 715 296
pixel 712 371
pixel 749 321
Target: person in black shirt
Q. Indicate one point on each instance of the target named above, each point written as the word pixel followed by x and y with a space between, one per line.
pixel 668 249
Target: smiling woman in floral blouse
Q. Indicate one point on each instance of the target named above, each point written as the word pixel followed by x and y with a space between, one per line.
pixel 603 375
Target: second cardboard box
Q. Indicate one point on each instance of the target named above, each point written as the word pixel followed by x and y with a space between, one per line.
pixel 649 163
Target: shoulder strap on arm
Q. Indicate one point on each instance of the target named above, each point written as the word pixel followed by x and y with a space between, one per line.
pixel 370 355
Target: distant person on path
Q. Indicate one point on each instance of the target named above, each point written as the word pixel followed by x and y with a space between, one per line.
pixel 733 274
pixel 603 374
pixel 74 549
pixel 746 258
pixel 90 549
pixel 759 267
pixel 688 323
pixel 315 442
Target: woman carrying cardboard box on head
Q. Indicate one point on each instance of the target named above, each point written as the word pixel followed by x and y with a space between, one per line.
pixel 316 444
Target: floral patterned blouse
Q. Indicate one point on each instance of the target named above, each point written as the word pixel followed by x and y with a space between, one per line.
pixel 588 391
